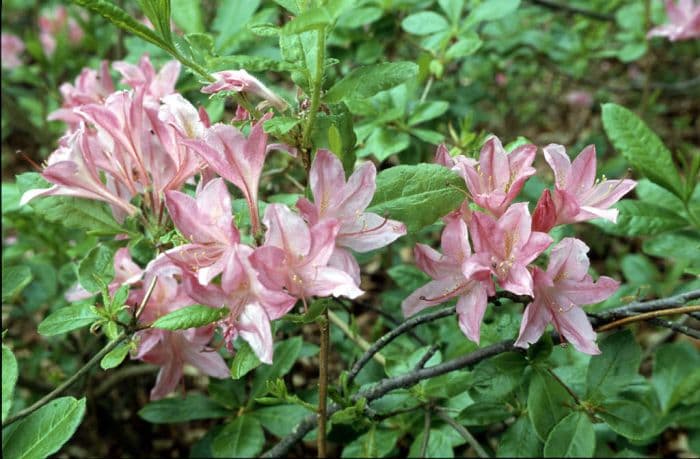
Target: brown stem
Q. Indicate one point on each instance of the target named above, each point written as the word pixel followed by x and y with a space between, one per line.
pixel 649 315
pixel 323 386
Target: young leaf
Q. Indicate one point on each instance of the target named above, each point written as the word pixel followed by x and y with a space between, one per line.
pixel 673 364
pixel 66 319
pixel 615 367
pixel 14 280
pixel 172 410
pixel 417 195
pixel 286 353
pixel 642 147
pixel 629 418
pixel 190 317
pixel 96 269
pixel 366 81
pixel 9 379
pixel 573 436
pixel 43 432
pixel 243 437
pixel 424 23
pixel 520 440
pixel 116 356
pixel 187 15
pixel 492 10
pixel 231 18
pixel 375 443
pixel 547 402
pixel 244 361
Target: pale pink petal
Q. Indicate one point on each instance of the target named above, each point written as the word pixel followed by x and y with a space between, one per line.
pixel 471 307
pixel 344 260
pixel 286 230
pixel 433 293
pixel 493 164
pixel 586 291
pixel 583 171
pixel 432 262
pixel 356 195
pixel 535 320
pixel 369 231
pixel 331 281
pixel 568 260
pixel 560 163
pixel 442 156
pixel 255 329
pixel 518 280
pixel 537 244
pixel 326 179
pixel 574 327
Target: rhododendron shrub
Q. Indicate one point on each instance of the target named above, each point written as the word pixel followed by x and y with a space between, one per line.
pixel 253 236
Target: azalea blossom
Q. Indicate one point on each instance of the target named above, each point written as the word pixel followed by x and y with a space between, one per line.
pixel 577 195
pixel 295 256
pixel 498 177
pixel 55 23
pixel 508 245
pixel 456 273
pixel 11 47
pixel 143 75
pixel 559 293
pixel 91 87
pixel 346 201
pixel 171 350
pixel 252 305
pixel 238 159
pixel 443 157
pixel 683 21
pixel 242 81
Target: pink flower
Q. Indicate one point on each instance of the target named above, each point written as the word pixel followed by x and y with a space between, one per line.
pixel 579 98
pixel 53 25
pixel 684 21
pixel 72 170
pixel 11 46
pixel 252 304
pixel 236 158
pixel 443 157
pixel 509 245
pixel 242 81
pixel 559 294
pixel 577 195
pixel 295 257
pixel 334 198
pixel 455 273
pixel 498 177
pixel 91 87
pixel 207 222
pixel 171 350
pixel 178 112
pixel 143 75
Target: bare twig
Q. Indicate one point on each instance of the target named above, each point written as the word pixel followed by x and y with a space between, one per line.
pixel 427 356
pixel 645 306
pixel 426 432
pixel 480 451
pixel 323 385
pixel 648 315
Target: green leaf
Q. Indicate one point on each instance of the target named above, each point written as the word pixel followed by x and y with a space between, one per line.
pixel 428 111
pixel 280 125
pixel 67 318
pixel 547 403
pixel 158 12
pixel 520 440
pixel 629 418
pixel 9 379
pixel 495 378
pixel 126 21
pixel 316 308
pixel 374 443
pixel 484 413
pixel 424 23
pixel 279 420
pixel 491 10
pixel 243 437
pixel 386 142
pixel 96 270
pixel 43 432
pixel 172 410
pixel 640 218
pixel 439 445
pixel 673 364
pixel 683 245
pixel 250 63
pixel 14 280
pixel 244 361
pixel 187 15
pixel 286 353
pixel 116 356
pixel 231 18
pixel 615 367
pixel 190 317
pixel 452 8
pixel 417 195
pixel 312 19
pixel 464 47
pixel 642 147
pixel 573 436
pixel 366 81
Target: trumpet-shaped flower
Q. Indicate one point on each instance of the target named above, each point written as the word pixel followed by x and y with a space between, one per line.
pixel 560 291
pixel 252 305
pixel 334 198
pixel 11 46
pixel 206 221
pixel 683 21
pixel 498 177
pixel 295 257
pixel 242 81
pixel 577 195
pixel 171 350
pixel 143 75
pixel 236 158
pixel 510 245
pixel 91 87
pixel 456 273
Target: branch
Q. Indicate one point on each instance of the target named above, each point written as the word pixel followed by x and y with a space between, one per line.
pixel 573 10
pixel 69 382
pixel 464 433
pixel 644 306
pixel 648 315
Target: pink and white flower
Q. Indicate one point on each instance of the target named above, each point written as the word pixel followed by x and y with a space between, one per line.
pixel 242 81
pixel 11 47
pixel 683 21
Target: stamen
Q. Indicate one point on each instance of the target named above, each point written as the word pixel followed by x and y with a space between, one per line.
pixel 365 230
pixel 447 295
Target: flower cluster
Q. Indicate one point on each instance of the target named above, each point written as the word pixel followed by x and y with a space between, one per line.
pixel 683 21
pixel 136 150
pixel 506 239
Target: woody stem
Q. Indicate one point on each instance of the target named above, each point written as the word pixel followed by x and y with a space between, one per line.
pixel 323 384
